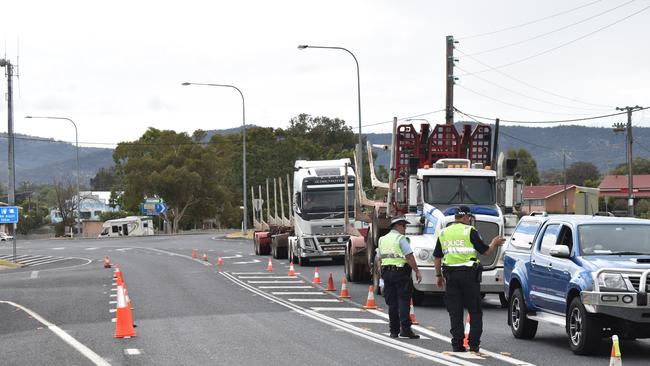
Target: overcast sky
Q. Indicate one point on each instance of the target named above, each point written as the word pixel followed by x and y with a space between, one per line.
pixel 116 68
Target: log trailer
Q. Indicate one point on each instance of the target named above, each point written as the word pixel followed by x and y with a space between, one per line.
pixel 432 172
pixel 271 236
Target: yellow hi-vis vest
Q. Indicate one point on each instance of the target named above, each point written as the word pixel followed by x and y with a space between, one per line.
pixel 389 250
pixel 457 247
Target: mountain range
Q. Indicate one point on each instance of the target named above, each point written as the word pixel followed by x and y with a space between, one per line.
pixel 43 160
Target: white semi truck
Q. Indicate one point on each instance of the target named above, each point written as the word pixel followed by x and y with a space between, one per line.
pixel 319 209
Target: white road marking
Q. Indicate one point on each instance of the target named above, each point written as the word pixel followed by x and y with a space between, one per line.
pixel 60 248
pixel 132 351
pixel 258 277
pixel 297 293
pixel 113 295
pixel 123 249
pixel 314 300
pixel 276 281
pixel 113 289
pixel 112 302
pixel 247 262
pixel 337 309
pixel 112 310
pixel 465 355
pixel 87 352
pixel 287 287
pixel 92 248
pixel 233 256
pixel 34 275
pixel 252 273
pixel 359 320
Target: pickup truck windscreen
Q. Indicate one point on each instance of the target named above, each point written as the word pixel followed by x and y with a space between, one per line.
pixel 626 239
pixel 449 190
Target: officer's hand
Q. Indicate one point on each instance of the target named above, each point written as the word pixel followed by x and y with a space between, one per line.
pixel 498 241
pixel 418 276
pixel 440 282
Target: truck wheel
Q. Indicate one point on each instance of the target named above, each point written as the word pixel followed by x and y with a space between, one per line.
pixel 520 325
pixel 256 247
pixel 266 249
pixel 584 329
pixel 347 266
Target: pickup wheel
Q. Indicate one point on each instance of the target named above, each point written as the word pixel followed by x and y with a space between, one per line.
pixel 583 329
pixel 520 325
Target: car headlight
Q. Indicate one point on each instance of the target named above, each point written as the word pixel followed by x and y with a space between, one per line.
pixel 612 281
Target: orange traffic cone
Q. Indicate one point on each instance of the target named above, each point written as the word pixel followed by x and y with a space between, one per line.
pixel 107 263
pixel 412 314
pixel 124 322
pixel 205 257
pixel 193 253
pixel 467 327
pixel 269 267
pixel 128 299
pixel 370 303
pixel 615 358
pixel 344 290
pixel 330 283
pixel 219 261
pixel 118 276
pixel 316 276
pixel 292 272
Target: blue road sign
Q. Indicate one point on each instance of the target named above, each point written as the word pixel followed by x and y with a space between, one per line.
pixel 153 209
pixel 161 208
pixel 9 215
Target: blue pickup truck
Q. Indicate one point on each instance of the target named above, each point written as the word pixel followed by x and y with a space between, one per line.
pixel 589 274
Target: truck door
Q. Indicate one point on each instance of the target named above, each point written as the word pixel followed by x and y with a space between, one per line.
pixel 561 269
pixel 540 261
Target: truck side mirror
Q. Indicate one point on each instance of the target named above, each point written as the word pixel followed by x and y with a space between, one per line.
pixel 560 251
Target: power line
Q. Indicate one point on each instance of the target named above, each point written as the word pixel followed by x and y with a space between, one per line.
pixel 552 31
pixel 556 121
pixel 561 45
pixel 399 119
pixel 528 84
pixel 530 22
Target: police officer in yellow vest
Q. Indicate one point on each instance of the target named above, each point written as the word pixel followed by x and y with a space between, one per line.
pixel 458 269
pixel 397 261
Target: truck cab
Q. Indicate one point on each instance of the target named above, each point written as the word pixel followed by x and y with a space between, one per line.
pixel 588 274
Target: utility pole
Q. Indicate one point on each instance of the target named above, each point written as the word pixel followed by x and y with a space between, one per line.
pixel 566 203
pixel 618 127
pixel 11 197
pixel 451 80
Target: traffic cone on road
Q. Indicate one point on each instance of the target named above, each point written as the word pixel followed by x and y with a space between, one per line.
pixel 205 257
pixel 118 276
pixel 269 267
pixel 193 253
pixel 107 263
pixel 124 322
pixel 615 358
pixel 316 276
pixel 412 314
pixel 330 283
pixel 370 303
pixel 292 272
pixel 344 290
pixel 467 327
pixel 219 262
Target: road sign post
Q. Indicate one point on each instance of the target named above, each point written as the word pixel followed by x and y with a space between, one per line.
pixel 9 215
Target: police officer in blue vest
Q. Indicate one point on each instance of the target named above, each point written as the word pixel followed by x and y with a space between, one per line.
pixel 458 269
pixel 397 261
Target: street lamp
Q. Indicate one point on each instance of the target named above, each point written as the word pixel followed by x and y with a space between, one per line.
pixel 360 162
pixel 76 138
pixel 243 104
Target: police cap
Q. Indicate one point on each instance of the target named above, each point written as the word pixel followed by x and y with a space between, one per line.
pixel 398 220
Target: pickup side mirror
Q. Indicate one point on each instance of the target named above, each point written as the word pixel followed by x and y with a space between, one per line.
pixel 560 251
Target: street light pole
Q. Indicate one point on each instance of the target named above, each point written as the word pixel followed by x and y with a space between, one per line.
pixel 76 138
pixel 359 146
pixel 243 104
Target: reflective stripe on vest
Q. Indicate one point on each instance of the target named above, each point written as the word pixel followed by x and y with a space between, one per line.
pixel 389 250
pixel 457 247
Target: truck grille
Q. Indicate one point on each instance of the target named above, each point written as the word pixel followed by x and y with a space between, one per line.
pixel 636 280
pixel 333 245
pixel 488 231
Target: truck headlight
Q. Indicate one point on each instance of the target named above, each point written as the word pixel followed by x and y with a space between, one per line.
pixel 612 281
pixel 308 243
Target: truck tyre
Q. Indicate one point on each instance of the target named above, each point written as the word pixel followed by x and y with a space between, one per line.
pixel 256 247
pixel 347 265
pixel 583 329
pixel 520 325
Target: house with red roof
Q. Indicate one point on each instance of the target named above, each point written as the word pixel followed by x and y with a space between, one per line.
pixel 551 199
pixel 617 186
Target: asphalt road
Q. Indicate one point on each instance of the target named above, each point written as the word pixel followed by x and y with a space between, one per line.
pixel 192 312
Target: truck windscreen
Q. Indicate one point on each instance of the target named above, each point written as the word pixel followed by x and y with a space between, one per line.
pixel 327 200
pixel 449 190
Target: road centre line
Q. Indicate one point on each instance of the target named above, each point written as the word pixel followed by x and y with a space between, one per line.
pixel 132 351
pixel 361 320
pixel 314 300
pixel 297 293
pixel 260 277
pixel 439 336
pixel 337 309
pixel 276 281
pixel 285 287
pixel 81 348
pixel 252 273
pixel 373 337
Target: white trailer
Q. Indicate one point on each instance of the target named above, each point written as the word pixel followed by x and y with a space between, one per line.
pixel 128 226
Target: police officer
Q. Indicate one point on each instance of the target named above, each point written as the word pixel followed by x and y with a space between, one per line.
pixel 397 261
pixel 458 269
